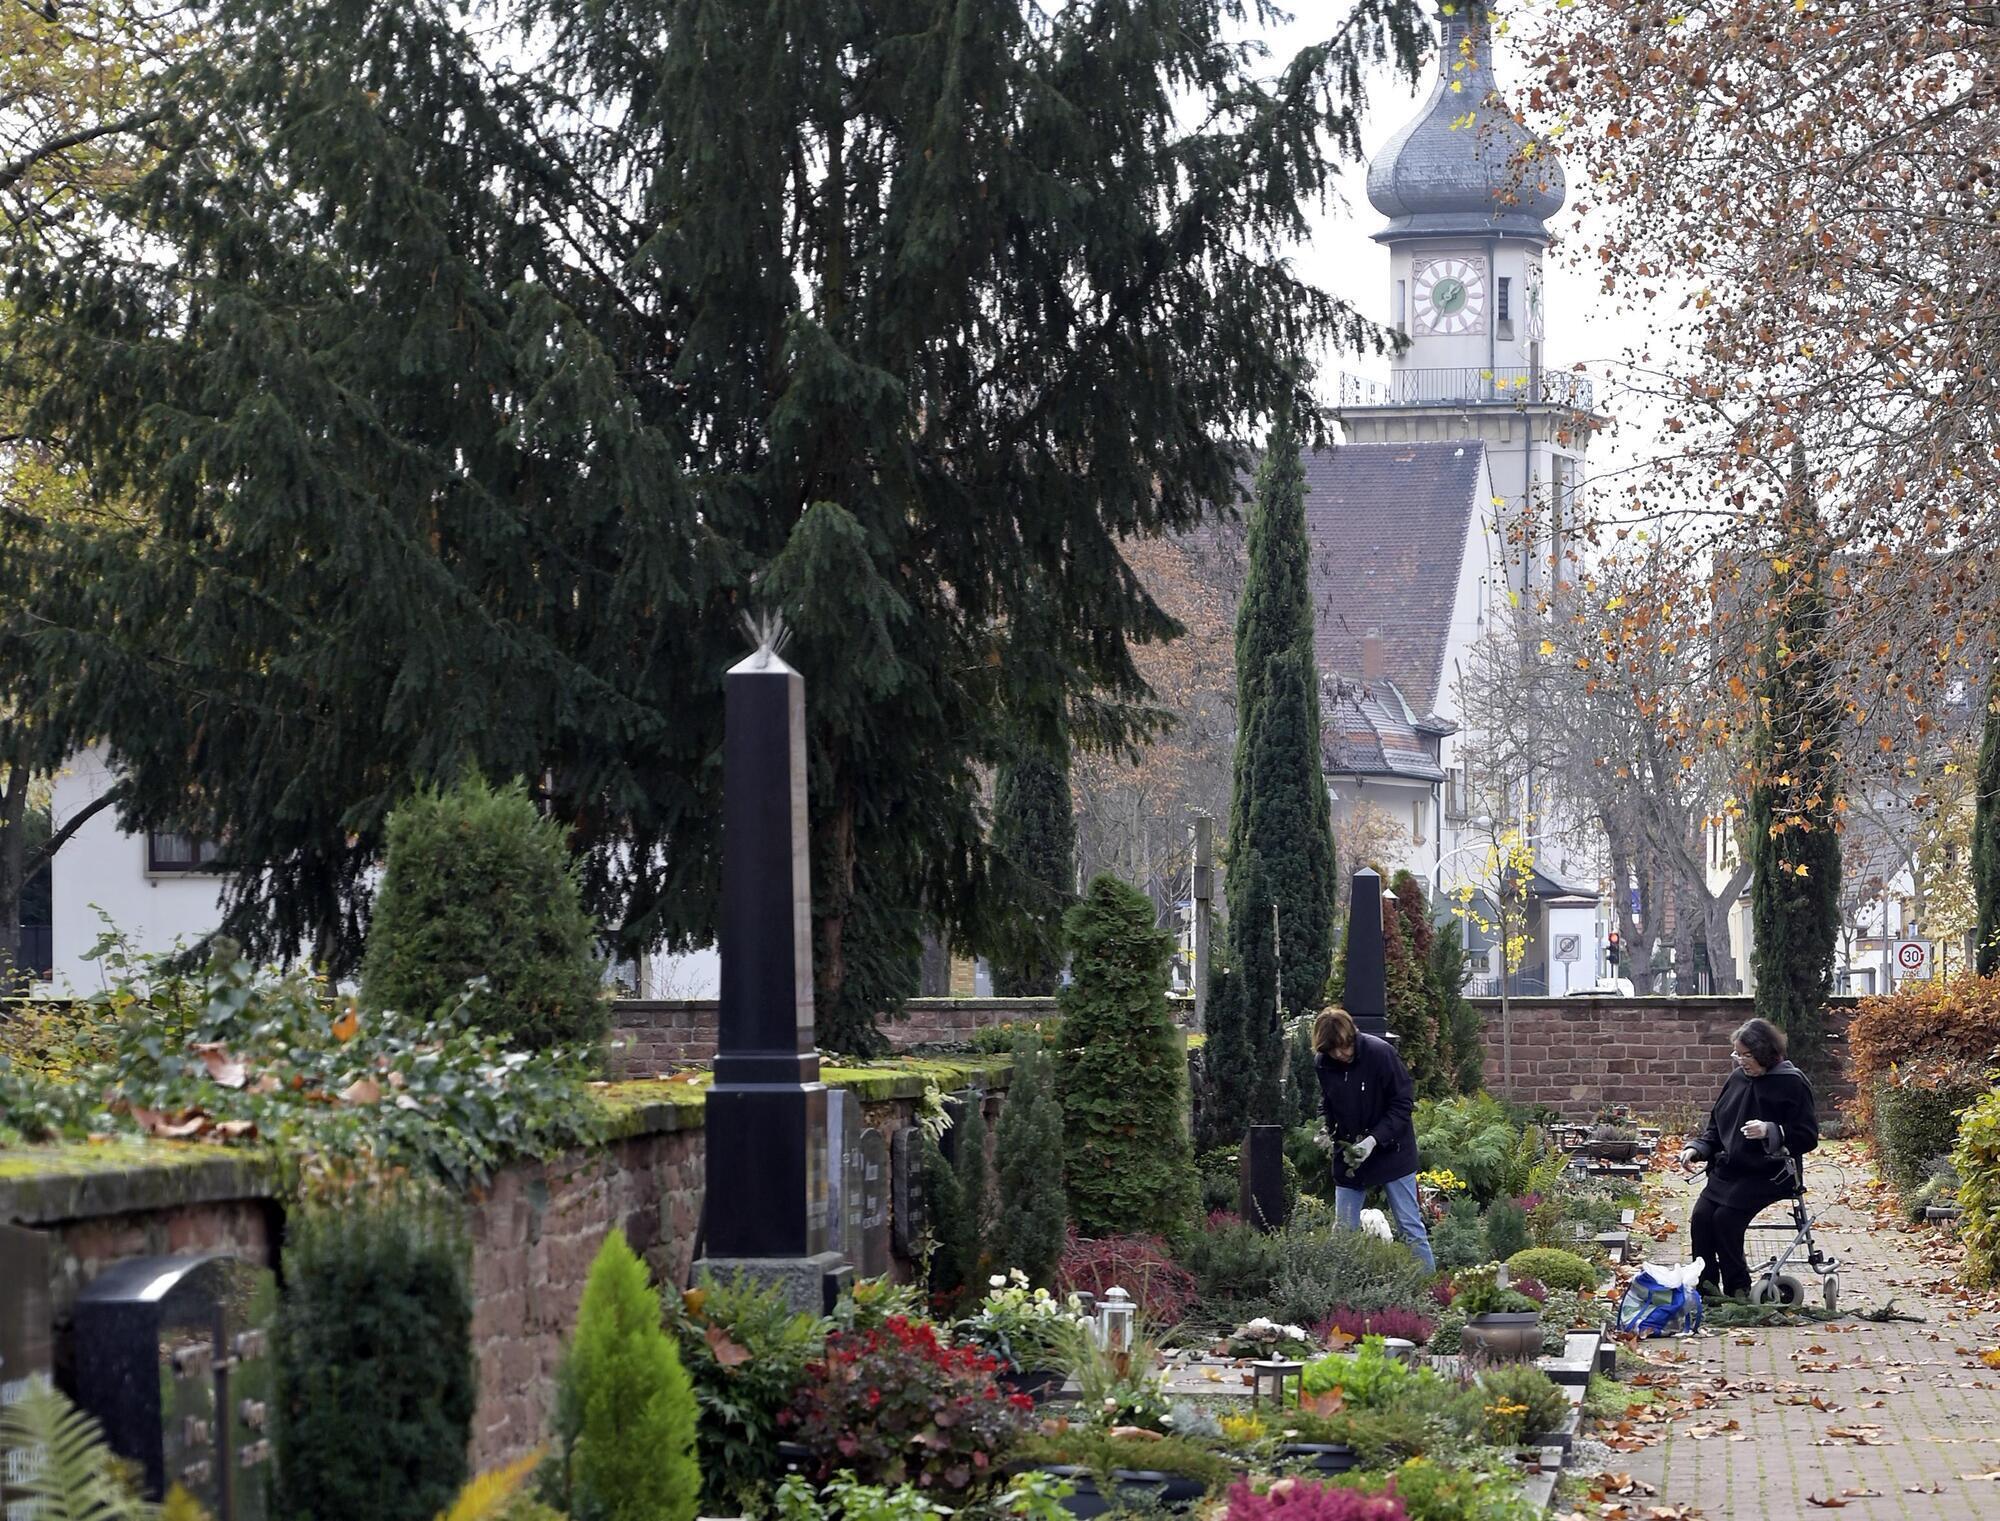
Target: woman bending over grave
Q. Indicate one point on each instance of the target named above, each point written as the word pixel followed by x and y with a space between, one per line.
pixel 1762 1123
pixel 1367 1098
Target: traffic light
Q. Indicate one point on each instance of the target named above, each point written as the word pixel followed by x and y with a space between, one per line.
pixel 1611 947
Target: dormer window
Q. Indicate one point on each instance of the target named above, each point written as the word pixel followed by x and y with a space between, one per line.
pixel 1503 306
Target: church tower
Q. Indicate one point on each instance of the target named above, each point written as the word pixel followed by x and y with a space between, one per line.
pixel 1467 191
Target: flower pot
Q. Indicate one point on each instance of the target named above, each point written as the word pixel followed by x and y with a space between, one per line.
pixel 1320 1457
pixel 1503 1336
pixel 1039 1384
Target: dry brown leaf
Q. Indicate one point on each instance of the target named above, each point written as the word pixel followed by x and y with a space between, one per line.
pixel 347 1026
pixel 237 1130
pixel 363 1090
pixel 726 1352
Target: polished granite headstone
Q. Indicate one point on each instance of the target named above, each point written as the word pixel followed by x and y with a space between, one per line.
pixel 873 1152
pixel 768 1173
pixel 27 1346
pixel 173 1357
pixel 1366 994
pixel 906 1190
pixel 843 1150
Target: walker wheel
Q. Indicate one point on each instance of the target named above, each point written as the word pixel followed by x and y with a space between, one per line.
pixel 1830 1287
pixel 1782 1290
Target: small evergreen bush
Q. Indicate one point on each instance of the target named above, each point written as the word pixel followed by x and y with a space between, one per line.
pixel 1459 1239
pixel 373 1347
pixel 476 883
pixel 1519 1400
pixel 1506 1230
pixel 1030 1208
pixel 1320 1272
pixel 1233 1261
pixel 975 1197
pixel 1128 1162
pixel 1555 1267
pixel 1915 1115
pixel 626 1414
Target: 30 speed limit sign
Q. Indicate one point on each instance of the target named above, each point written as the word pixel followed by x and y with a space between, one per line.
pixel 1912 954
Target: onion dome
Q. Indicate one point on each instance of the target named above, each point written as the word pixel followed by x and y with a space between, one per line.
pixel 1459 168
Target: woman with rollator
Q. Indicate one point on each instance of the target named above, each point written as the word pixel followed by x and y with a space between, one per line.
pixel 1762 1123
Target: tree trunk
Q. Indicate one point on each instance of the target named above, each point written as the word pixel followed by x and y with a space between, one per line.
pixel 13 873
pixel 1683 940
pixel 1715 929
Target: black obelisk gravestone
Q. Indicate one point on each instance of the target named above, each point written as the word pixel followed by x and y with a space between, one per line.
pixel 767 1183
pixel 1367 995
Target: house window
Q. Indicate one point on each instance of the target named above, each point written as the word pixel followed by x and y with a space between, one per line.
pixel 1454 793
pixel 1402 305
pixel 1417 822
pixel 168 852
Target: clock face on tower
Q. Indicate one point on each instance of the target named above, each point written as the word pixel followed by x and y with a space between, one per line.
pixel 1451 296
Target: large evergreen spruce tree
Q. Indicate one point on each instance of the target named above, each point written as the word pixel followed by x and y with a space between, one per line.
pixel 1034 836
pixel 1792 818
pixel 1986 840
pixel 1129 1165
pixel 447 422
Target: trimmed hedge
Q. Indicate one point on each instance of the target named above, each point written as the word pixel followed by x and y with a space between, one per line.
pixel 1915 1111
pixel 1954 1019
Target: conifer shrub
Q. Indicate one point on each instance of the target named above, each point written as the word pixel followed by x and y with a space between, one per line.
pixel 1031 1210
pixel 1128 1164
pixel 476 883
pixel 625 1414
pixel 971 1227
pixel 373 1346
pixel 1915 1115
pixel 1506 1230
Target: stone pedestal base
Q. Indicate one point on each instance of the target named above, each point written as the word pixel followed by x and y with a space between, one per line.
pixel 812 1285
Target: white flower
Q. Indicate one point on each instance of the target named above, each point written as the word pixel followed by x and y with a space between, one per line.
pixel 998 1280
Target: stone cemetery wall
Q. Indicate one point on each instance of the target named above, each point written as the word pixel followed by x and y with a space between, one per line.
pixel 535 1228
pixel 1666 1057
pixel 649 1036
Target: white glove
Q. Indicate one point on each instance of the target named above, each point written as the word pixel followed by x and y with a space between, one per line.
pixel 1689 1156
pixel 1364 1148
pixel 1754 1130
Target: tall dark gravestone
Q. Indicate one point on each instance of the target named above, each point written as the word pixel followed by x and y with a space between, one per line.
pixel 768 1179
pixel 1367 988
pixel 27 1349
pixel 173 1357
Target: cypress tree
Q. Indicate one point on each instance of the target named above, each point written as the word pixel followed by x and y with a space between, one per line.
pixel 1128 1162
pixel 1792 819
pixel 1031 1212
pixel 1034 836
pixel 1413 991
pixel 1459 1027
pixel 447 425
pixel 1986 840
pixel 1278 807
pixel 1241 1059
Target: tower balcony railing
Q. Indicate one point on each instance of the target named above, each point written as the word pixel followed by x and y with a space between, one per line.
pixel 1522 387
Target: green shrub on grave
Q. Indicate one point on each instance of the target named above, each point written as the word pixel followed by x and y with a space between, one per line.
pixel 373 1346
pixel 625 1411
pixel 1030 1208
pixel 1554 1268
pixel 1915 1115
pixel 1128 1164
pixel 477 884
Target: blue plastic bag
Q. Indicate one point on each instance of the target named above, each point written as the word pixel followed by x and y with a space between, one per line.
pixel 1662 1301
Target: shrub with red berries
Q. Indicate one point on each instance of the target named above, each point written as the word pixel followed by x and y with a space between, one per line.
pixel 901 1405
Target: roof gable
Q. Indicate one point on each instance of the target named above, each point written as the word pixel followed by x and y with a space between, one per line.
pixel 1388 526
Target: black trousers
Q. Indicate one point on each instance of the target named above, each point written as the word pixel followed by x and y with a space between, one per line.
pixel 1717 1232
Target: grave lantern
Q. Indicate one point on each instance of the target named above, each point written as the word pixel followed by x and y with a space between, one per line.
pixel 1114 1322
pixel 1268 1376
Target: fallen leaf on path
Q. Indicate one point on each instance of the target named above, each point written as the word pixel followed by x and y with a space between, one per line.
pixel 1933 1488
pixel 1829 1503
pixel 1989 1478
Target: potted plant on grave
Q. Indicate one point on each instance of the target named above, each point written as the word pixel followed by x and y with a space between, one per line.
pixel 1612 1141
pixel 1502 1325
pixel 1124 1467
pixel 1029 1332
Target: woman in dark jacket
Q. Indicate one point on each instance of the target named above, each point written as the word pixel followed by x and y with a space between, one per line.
pixel 1761 1124
pixel 1365 1097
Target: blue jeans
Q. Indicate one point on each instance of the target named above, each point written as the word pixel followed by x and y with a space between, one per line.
pixel 1402 1194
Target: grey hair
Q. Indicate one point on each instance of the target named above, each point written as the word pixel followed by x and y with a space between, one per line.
pixel 1763 1040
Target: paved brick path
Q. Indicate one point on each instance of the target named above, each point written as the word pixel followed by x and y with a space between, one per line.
pixel 1886 1418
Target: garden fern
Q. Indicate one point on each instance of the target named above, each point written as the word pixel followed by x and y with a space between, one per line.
pixel 75 1480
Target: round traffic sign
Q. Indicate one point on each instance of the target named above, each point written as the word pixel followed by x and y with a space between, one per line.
pixel 1910 955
